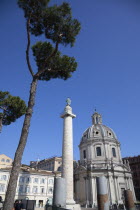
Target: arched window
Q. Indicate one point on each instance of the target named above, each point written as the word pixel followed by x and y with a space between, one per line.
pixel 97 121
pixel 84 154
pixel 98 151
pixel 113 152
pixel 59 168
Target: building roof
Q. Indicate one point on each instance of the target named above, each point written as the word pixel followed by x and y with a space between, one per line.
pixel 46 160
pixel 30 170
pixel 5 161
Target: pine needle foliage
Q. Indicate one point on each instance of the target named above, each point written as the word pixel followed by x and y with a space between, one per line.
pixel 58 66
pixel 11 108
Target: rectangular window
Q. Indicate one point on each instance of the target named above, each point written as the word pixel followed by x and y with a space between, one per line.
pixel 21 179
pixel 42 181
pixel 35 180
pixel 113 152
pixel 28 179
pixel 98 151
pixel 35 189
pixel 27 189
pixel 50 191
pixel 42 190
pixel 84 154
pixel 50 181
pixel 2 188
pixel 20 189
pixel 3 177
pixel 122 193
pixel 135 174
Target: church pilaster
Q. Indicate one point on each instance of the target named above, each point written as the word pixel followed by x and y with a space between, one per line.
pixel 91 190
pixel 110 190
pixel 86 190
pixel 132 189
pixel 116 188
pixel 94 190
pixel 119 153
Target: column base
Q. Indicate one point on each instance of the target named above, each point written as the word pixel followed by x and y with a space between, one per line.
pixel 73 206
pixel 70 202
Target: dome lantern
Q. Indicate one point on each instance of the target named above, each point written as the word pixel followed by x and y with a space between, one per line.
pixel 96 118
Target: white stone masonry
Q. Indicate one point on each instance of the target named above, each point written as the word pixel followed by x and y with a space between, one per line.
pixel 67 153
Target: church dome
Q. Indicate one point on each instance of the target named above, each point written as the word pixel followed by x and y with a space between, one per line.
pixel 99 143
pixel 98 130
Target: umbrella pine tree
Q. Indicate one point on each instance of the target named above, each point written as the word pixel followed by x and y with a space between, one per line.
pixel 59 28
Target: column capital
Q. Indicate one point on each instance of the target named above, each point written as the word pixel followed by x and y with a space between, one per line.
pixel 67 112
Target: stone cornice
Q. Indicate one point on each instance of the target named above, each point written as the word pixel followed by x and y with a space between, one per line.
pixel 67 112
pixel 96 140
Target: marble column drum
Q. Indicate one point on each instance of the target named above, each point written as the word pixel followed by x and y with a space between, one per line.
pixel 67 153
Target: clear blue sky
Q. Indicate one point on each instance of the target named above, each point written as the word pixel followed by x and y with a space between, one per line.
pixel 108 78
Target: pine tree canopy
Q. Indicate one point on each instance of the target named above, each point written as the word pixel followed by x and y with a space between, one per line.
pixel 58 26
pixel 52 21
pixel 58 66
pixel 11 108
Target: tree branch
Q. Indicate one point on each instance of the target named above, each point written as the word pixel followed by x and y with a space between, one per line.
pixel 57 70
pixel 28 48
pixel 48 58
pixel 1 118
pixel 3 108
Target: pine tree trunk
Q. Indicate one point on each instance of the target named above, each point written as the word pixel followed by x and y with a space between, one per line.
pixel 1 118
pixel 11 189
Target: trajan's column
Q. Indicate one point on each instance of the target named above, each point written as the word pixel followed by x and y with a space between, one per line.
pixel 67 153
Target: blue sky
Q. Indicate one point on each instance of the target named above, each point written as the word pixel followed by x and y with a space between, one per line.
pixel 108 77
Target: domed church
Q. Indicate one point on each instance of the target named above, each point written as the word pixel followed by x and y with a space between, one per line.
pixel 100 156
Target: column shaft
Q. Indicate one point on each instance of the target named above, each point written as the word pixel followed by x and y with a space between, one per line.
pixel 67 157
pixel 67 153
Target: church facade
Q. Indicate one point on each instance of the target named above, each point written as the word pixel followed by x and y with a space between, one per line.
pixel 100 155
